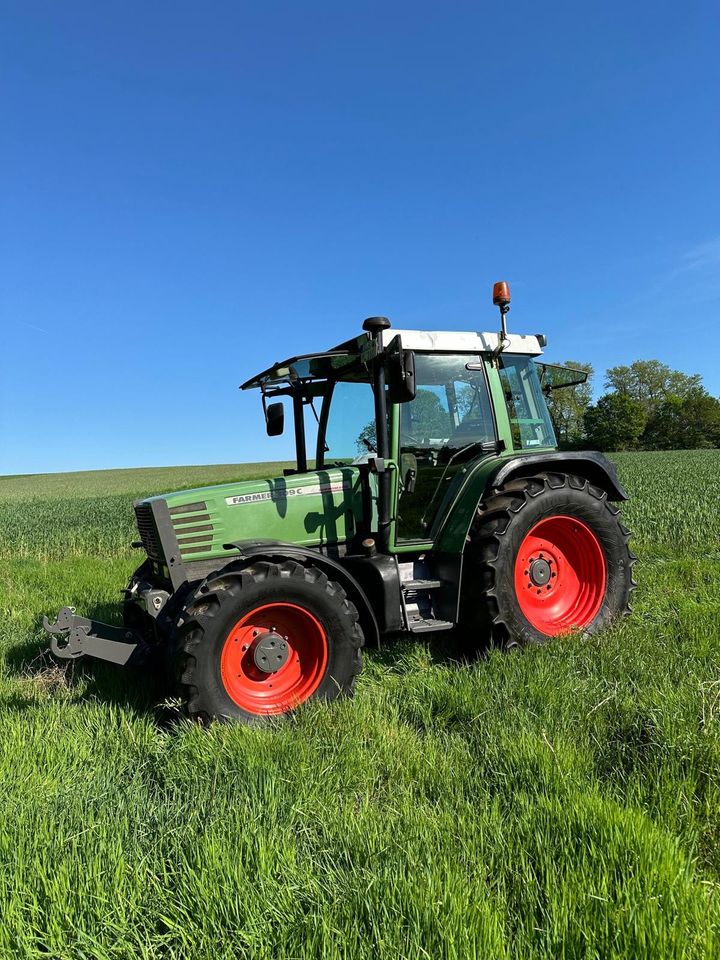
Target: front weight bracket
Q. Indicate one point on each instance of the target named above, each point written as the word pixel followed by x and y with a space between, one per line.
pixel 72 637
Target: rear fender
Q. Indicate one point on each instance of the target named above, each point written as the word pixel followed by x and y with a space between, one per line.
pixel 490 474
pixel 276 551
pixel 592 466
pixel 486 477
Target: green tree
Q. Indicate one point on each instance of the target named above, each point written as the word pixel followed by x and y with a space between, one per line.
pixel 568 406
pixel 615 422
pixel 684 423
pixel 367 438
pixel 651 382
pixel 702 419
pixel 428 418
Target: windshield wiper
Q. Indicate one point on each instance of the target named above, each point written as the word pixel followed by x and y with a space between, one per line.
pixel 487 446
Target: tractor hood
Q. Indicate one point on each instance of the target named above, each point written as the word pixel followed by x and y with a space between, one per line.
pixel 317 508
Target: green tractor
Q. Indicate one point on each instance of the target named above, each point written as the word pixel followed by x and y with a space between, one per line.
pixel 436 499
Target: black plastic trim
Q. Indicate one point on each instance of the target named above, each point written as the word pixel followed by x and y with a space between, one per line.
pixel 380 581
pixel 169 542
pixel 188 508
pixel 180 522
pixel 299 418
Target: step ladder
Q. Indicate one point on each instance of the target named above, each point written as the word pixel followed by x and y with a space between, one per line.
pixel 417 598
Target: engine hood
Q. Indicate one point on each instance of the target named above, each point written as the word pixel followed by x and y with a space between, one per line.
pixel 317 508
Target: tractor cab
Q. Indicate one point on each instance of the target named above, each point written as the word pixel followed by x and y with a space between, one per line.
pixel 411 412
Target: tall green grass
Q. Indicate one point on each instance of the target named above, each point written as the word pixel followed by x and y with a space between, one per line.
pixel 562 803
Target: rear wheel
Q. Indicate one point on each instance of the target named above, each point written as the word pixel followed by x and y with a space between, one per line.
pixel 257 641
pixel 546 555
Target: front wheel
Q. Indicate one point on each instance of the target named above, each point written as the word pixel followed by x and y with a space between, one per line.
pixel 259 640
pixel 546 555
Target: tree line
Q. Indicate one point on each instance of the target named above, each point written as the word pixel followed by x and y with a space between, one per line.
pixel 646 406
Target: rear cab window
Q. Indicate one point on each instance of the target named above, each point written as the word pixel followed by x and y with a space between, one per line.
pixel 530 422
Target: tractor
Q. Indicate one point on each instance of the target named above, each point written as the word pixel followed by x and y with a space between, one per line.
pixel 428 495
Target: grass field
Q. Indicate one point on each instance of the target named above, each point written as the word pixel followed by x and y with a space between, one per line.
pixel 562 803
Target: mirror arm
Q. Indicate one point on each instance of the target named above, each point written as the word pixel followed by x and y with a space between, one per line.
pixel 299 418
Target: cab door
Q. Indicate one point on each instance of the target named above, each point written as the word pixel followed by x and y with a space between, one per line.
pixel 440 432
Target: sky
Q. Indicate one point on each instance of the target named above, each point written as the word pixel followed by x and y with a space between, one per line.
pixel 191 192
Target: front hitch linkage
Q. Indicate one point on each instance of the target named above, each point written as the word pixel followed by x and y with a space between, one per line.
pixel 72 637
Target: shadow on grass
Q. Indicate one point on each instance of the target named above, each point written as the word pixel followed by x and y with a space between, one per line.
pixel 446 648
pixel 148 687
pixel 145 688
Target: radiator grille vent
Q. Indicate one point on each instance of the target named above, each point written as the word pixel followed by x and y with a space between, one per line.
pixel 147 531
pixel 193 528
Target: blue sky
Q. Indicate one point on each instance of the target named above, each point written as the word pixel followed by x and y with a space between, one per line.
pixel 191 191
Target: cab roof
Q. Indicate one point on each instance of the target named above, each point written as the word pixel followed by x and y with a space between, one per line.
pixel 338 361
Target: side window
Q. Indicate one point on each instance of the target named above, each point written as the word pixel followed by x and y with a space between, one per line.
pixel 529 417
pixel 451 408
pixel 440 430
pixel 350 425
pixel 427 419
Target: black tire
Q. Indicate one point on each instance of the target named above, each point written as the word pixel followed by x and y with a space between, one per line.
pixel 491 611
pixel 218 604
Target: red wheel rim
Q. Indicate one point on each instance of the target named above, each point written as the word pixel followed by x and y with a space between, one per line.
pixel 560 575
pixel 302 648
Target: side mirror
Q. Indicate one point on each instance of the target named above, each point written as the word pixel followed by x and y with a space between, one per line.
pixel 275 419
pixel 400 372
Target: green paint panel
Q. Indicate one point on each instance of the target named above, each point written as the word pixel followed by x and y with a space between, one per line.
pixel 451 536
pixel 497 396
pixel 310 509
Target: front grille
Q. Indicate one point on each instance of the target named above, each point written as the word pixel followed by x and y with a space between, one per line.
pixel 147 530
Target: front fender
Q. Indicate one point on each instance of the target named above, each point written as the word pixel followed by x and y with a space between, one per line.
pixel 276 551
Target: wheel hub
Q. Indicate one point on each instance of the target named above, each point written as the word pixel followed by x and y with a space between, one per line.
pixel 274 658
pixel 540 571
pixel 560 575
pixel 270 652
